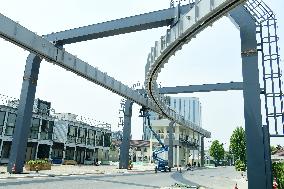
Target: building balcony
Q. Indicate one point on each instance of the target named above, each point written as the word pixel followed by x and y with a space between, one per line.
pixel 81 140
pixel 71 139
pixel 166 136
pixel 33 135
pixel 91 142
pixel 46 136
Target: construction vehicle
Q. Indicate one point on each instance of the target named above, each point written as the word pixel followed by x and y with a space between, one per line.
pixel 162 164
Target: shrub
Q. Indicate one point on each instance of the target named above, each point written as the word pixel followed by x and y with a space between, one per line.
pixel 38 161
pixel 278 173
pixel 240 165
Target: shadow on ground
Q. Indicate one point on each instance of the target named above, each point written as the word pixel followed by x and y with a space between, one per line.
pixel 103 178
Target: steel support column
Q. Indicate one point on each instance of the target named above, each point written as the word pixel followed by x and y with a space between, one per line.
pixel 267 154
pixel 24 114
pixel 257 177
pixel 125 145
pixel 202 151
pixel 171 144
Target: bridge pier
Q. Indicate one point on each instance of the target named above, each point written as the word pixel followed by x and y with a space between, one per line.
pixel 256 164
pixel 202 152
pixel 24 115
pixel 171 141
pixel 125 145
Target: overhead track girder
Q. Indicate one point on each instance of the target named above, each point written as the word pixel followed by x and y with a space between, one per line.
pixel 30 41
pixel 202 88
pixel 19 35
pixel 119 26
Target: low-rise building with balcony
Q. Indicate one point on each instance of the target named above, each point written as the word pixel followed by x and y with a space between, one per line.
pixel 54 136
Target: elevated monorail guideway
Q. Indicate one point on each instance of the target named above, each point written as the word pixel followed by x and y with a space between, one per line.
pixel 202 15
pixel 28 40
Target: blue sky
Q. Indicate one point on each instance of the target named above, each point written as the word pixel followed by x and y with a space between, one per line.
pixel 212 57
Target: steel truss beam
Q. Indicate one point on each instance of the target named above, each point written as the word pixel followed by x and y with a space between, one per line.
pixel 17 34
pixel 202 88
pixel 120 26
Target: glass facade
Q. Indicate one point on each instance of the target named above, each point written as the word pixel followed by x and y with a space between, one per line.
pixel 188 107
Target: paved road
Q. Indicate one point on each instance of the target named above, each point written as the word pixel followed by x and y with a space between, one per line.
pixel 210 177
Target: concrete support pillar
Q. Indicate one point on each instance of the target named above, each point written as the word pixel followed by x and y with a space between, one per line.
pixel 39 130
pixel 193 150
pixel 198 149
pixel 1 147
pixel 171 142
pixel 257 177
pixel 151 148
pixel 175 156
pixel 50 152
pixel 202 151
pixel 64 153
pixel 186 155
pixel 36 152
pixel 85 154
pixel 24 114
pixel 103 139
pixel 74 154
pixel 178 156
pixel 125 145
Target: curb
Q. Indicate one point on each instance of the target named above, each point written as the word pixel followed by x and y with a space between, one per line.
pixel 33 175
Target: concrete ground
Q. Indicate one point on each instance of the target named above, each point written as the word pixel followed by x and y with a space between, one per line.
pixel 78 170
pixel 73 177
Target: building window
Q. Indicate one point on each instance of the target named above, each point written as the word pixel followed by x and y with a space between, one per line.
pixel 2 119
pixel 11 122
pixel 91 137
pixel 34 128
pixel 82 135
pixel 46 130
pixel 6 150
pixel 107 139
pixel 69 154
pixel 72 133
pixel 99 138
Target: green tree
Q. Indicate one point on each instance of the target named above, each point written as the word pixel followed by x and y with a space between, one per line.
pixel 273 149
pixel 238 144
pixel 217 151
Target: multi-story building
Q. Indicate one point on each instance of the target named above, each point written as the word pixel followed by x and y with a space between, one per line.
pixel 188 107
pixel 57 137
pixel 186 142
